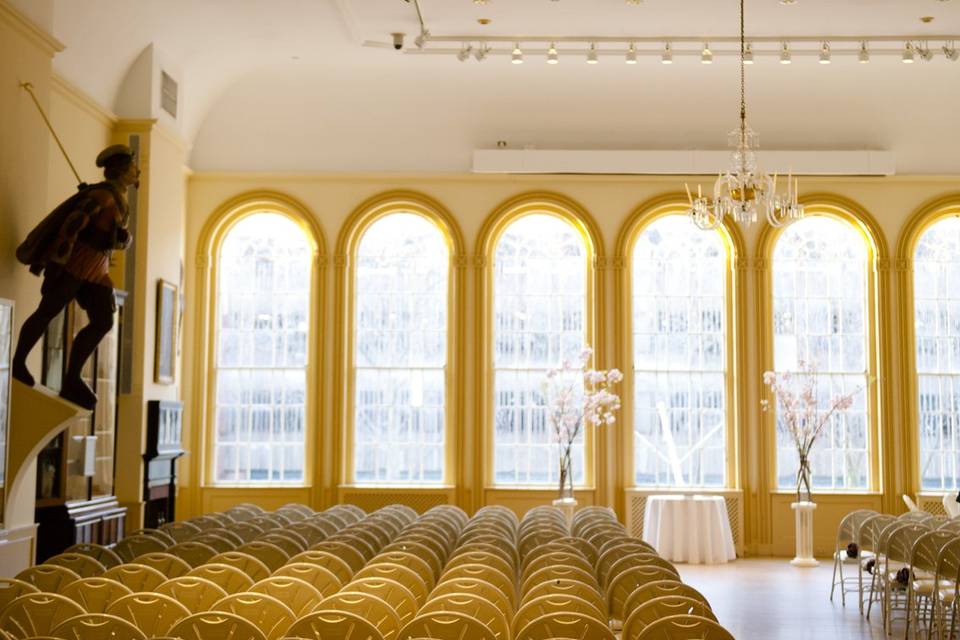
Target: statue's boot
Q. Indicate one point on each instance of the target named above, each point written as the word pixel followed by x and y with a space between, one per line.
pixel 74 388
pixel 76 391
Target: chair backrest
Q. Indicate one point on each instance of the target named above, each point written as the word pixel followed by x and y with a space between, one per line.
pixel 195 593
pixel 217 540
pixel 180 531
pixel 948 564
pixel 166 563
pixel 403 575
pixel 95 594
pixel 446 625
pixel 684 627
pixel 37 614
pixel 246 531
pixel 553 603
pixel 336 566
pixel 567 587
pixel 663 607
pixel 556 558
pixel 485 558
pixel 565 625
pixel 266 612
pixel 870 530
pixel 228 577
pixel 299 595
pixel 133 546
pixel 291 542
pixel 590 552
pixel 390 591
pixel 367 606
pixel 475 607
pixel 11 589
pixel 554 572
pixel 926 549
pixel 483 572
pixel 223 532
pixel 164 537
pixel 346 552
pixel 310 532
pixel 334 625
pixel 316 576
pixel 627 582
pixel 659 589
pixel 268 553
pixel 98 552
pixel 136 577
pixel 250 565
pixel 849 528
pixel 635 560
pixel 485 547
pixel 900 543
pixel 50 578
pixel 950 525
pixel 153 613
pixel 553 547
pixel 416 564
pixel 915 516
pixel 474 587
pixel 617 551
pixel 216 625
pixel 194 552
pixel 97 625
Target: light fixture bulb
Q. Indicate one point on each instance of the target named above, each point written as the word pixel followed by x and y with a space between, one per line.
pixel 706 56
pixel 552 57
pixel 517 57
pixel 748 54
pixel 864 55
pixel 464 53
pixel 631 54
pixel 592 55
pixel 667 56
pixel 951 52
pixel 785 54
pixel 825 53
pixel 908 54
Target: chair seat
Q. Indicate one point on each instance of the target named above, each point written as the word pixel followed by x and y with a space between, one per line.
pixel 842 556
pixel 924 586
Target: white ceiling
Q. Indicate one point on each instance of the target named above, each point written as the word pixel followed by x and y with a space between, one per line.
pixel 286 85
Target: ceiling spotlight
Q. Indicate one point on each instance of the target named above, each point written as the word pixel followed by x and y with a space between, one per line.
pixel 464 53
pixel 631 54
pixel 748 54
pixel 592 55
pixel 951 51
pixel 634 2
pixel 706 56
pixel 481 53
pixel 825 53
pixel 785 54
pixel 552 57
pixel 517 57
pixel 864 54
pixel 667 56
pixel 788 1
pixel 925 53
pixel 421 39
pixel 908 53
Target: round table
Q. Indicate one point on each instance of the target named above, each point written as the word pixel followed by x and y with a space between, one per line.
pixel 689 528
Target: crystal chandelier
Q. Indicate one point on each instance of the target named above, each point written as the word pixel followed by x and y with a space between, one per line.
pixel 746 191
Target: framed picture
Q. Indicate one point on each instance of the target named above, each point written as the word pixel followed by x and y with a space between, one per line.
pixel 165 358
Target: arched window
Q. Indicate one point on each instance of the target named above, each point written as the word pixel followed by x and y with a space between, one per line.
pixel 400 338
pixel 540 319
pixel 679 277
pixel 822 316
pixel 261 356
pixel 936 290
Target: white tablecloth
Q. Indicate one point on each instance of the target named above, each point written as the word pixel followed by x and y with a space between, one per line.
pixel 692 529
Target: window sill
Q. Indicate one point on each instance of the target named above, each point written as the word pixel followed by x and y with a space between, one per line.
pixel 828 494
pixel 258 485
pixel 398 487
pixel 534 487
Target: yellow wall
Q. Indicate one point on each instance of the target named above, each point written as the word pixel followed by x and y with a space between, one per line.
pixel 610 200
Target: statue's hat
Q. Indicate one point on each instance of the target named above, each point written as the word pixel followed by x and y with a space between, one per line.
pixel 112 151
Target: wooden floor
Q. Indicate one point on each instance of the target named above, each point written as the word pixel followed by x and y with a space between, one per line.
pixel 767 599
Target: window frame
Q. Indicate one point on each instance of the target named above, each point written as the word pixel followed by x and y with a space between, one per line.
pixel 572 213
pixel 348 244
pixel 922 219
pixel 208 264
pixel 879 437
pixel 730 235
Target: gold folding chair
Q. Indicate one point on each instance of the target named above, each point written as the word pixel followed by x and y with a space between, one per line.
pixel 192 552
pixel 309 531
pixel 485 558
pixel 407 577
pixel 684 627
pixel 216 625
pixel 565 625
pixel 217 540
pixel 663 607
pixel 483 547
pixel 50 578
pixel 335 565
pixel 11 589
pixel 475 607
pixel 269 554
pixel 341 549
pixel 246 531
pixel 446 625
pixel 37 614
pixel 195 593
pixel 414 563
pixel 483 572
pixel 153 613
pixel 474 587
pixel 318 577
pixel 554 572
pixel 97 625
pixel 659 589
pixel 180 531
pixel 98 552
pixel 250 565
pixel 334 625
pixel 291 542
pixel 567 587
pixel 614 553
pixel 554 603
pixel 556 559
pixel 134 546
pixel 164 537
pixel 265 612
pixel 299 595
pixel 390 591
pixel 168 564
pixel 554 547
pixel 95 594
pixel 367 606
pixel 627 582
pixel 136 577
pixel 228 577
pixel 635 560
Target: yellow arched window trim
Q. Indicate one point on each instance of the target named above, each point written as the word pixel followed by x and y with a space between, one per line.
pixel 211 239
pixel 641 218
pixel 493 228
pixel 348 242
pixel 922 219
pixel 881 438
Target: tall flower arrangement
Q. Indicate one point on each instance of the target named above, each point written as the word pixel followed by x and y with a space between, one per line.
pixel 799 412
pixel 577 395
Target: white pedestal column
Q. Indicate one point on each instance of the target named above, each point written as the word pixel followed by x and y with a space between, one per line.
pixel 568 506
pixel 803 512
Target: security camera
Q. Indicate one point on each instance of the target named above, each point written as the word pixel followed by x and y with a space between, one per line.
pixel 398 40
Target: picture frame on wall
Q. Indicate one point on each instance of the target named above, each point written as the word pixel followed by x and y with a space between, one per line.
pixel 165 356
